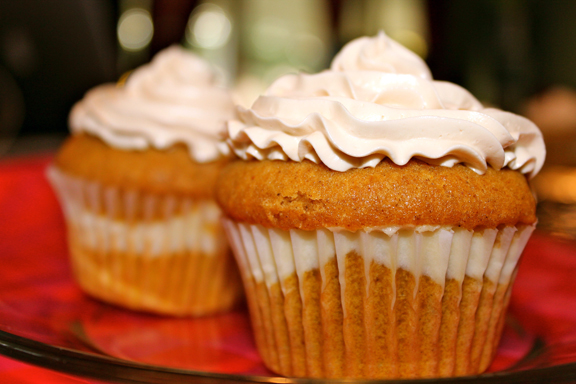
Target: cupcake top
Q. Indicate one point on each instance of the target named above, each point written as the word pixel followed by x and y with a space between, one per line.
pixel 378 100
pixel 174 99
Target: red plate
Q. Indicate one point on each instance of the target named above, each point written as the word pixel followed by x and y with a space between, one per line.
pixel 47 321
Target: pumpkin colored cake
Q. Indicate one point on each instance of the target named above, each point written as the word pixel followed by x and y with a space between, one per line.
pixel 136 181
pixel 378 217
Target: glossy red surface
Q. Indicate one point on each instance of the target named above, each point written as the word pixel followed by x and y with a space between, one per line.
pixel 40 301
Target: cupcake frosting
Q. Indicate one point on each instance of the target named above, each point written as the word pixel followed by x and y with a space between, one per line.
pixel 379 100
pixel 174 99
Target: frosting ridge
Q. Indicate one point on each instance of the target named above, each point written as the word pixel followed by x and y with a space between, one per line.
pixel 379 100
pixel 173 99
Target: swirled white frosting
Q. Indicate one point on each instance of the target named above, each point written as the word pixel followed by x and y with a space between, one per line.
pixel 174 99
pixel 378 100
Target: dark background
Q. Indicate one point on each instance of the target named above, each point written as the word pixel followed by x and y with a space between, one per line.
pixel 51 52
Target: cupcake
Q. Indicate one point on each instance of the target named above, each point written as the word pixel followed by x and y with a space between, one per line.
pixel 136 183
pixel 377 217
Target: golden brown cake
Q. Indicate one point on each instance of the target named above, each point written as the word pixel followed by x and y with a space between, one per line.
pixel 304 195
pixel 377 217
pixel 137 185
pixel 169 171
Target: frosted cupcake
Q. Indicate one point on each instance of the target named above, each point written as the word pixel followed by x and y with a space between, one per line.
pixel 136 182
pixel 378 217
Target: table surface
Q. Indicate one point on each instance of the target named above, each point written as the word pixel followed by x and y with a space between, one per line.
pixel 543 300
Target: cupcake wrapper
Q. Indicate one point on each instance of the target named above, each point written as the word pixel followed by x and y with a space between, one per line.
pixel 382 303
pixel 147 252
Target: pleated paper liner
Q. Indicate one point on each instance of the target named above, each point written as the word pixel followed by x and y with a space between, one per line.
pixel 163 254
pixel 387 303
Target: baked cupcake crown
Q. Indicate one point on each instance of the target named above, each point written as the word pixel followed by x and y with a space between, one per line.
pixel 174 99
pixel 378 100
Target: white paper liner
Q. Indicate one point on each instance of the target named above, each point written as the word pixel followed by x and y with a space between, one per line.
pixel 486 258
pixel 168 225
pixel 147 252
pixel 438 252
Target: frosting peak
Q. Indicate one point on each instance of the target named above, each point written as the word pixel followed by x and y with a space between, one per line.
pixel 174 99
pixel 379 100
pixel 382 54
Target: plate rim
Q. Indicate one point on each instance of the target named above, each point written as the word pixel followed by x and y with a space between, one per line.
pixel 89 364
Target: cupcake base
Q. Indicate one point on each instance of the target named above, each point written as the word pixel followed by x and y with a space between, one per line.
pixel 176 284
pixel 387 303
pixel 157 253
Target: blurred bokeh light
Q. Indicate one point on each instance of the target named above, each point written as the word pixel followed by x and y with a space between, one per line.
pixel 209 27
pixel 135 29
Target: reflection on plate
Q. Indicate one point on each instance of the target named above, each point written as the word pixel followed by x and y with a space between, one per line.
pixel 46 320
pixel 220 343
